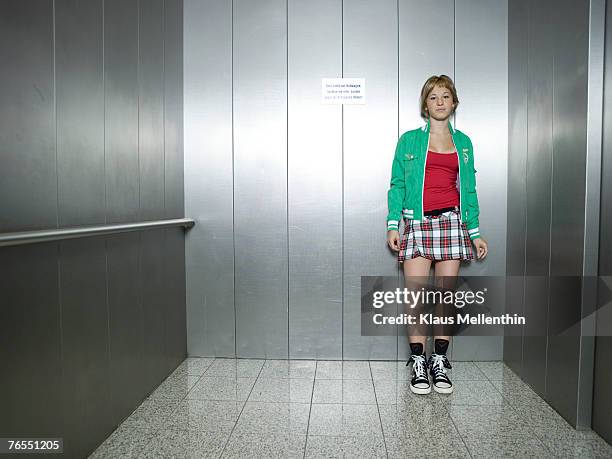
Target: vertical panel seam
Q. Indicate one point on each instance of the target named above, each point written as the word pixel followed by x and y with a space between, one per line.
pixel 164 95
pixel 233 186
pixel 550 221
pixel 138 102
pixel 342 168
pixel 104 109
pixel 58 244
pixel 287 162
pixel 526 190
pixel 57 212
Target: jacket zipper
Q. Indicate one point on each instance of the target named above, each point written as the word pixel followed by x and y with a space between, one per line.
pixel 423 186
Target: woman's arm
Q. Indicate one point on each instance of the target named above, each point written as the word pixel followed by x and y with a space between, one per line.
pixel 397 189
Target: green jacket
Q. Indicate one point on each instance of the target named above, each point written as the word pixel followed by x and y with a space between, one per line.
pixel 405 196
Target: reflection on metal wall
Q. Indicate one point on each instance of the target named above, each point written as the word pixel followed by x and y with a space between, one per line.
pixel 89 327
pixel 291 193
pixel 602 397
pixel 314 182
pixel 518 79
pixel 481 74
pixel 552 145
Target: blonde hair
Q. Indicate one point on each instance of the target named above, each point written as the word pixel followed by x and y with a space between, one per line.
pixel 433 81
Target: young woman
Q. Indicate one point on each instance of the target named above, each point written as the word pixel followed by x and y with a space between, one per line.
pixel 433 187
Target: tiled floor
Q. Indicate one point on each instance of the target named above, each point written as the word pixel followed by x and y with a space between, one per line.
pixel 279 408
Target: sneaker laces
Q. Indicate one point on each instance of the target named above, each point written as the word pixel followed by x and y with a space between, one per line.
pixel 438 364
pixel 419 366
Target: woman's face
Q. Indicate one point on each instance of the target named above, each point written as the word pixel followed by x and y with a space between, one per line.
pixel 440 103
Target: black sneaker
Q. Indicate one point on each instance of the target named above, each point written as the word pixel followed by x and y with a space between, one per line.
pixel 419 384
pixel 438 363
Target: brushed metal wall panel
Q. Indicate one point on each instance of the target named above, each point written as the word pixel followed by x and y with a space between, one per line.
pixel 260 177
pixel 173 69
pixel 30 342
pixel 152 253
pixel 174 289
pixel 368 130
pixel 209 246
pixel 314 182
pixel 602 397
pixel 539 170
pixel 125 323
pixel 482 86
pixel 418 60
pixel 151 108
pixel 85 359
pixel 121 110
pixel 517 173
pixel 27 119
pixel 571 59
pixel 80 111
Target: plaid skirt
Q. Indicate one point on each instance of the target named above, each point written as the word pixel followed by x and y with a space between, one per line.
pixel 441 237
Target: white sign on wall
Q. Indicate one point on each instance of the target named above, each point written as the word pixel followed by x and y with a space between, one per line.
pixel 343 91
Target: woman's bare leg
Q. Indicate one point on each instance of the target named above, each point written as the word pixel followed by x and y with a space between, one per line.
pixel 449 269
pixel 416 270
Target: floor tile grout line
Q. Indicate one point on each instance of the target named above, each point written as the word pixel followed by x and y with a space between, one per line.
pixel 382 429
pixel 310 408
pixel 229 437
pixel 176 404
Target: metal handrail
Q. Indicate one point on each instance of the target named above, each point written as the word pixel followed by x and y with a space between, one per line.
pixel 32 237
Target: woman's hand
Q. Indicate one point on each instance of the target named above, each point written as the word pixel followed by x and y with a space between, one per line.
pixel 481 247
pixel 393 239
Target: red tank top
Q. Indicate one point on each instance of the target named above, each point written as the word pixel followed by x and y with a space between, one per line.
pixel 440 188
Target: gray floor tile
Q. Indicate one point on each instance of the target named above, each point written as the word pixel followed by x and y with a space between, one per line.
pixel 151 414
pixel 359 391
pixel 356 370
pixel 250 445
pixel 347 369
pixel 205 415
pixel 542 415
pixel 318 446
pixel 344 391
pixel 581 449
pixel 194 366
pixel 269 418
pixel 517 393
pixel 395 371
pixel 432 444
pixel 175 387
pixel 221 388
pixel 173 443
pixel 473 393
pixel 491 445
pixel 491 419
pixel 327 391
pixel 497 371
pixel 235 368
pixel 304 369
pixel 406 420
pixel 329 369
pixel 389 392
pixel 124 442
pixel 344 420
pixel 465 371
pixel 569 442
pixel 282 390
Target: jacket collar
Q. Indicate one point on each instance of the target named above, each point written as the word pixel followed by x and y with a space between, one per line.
pixel 425 128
